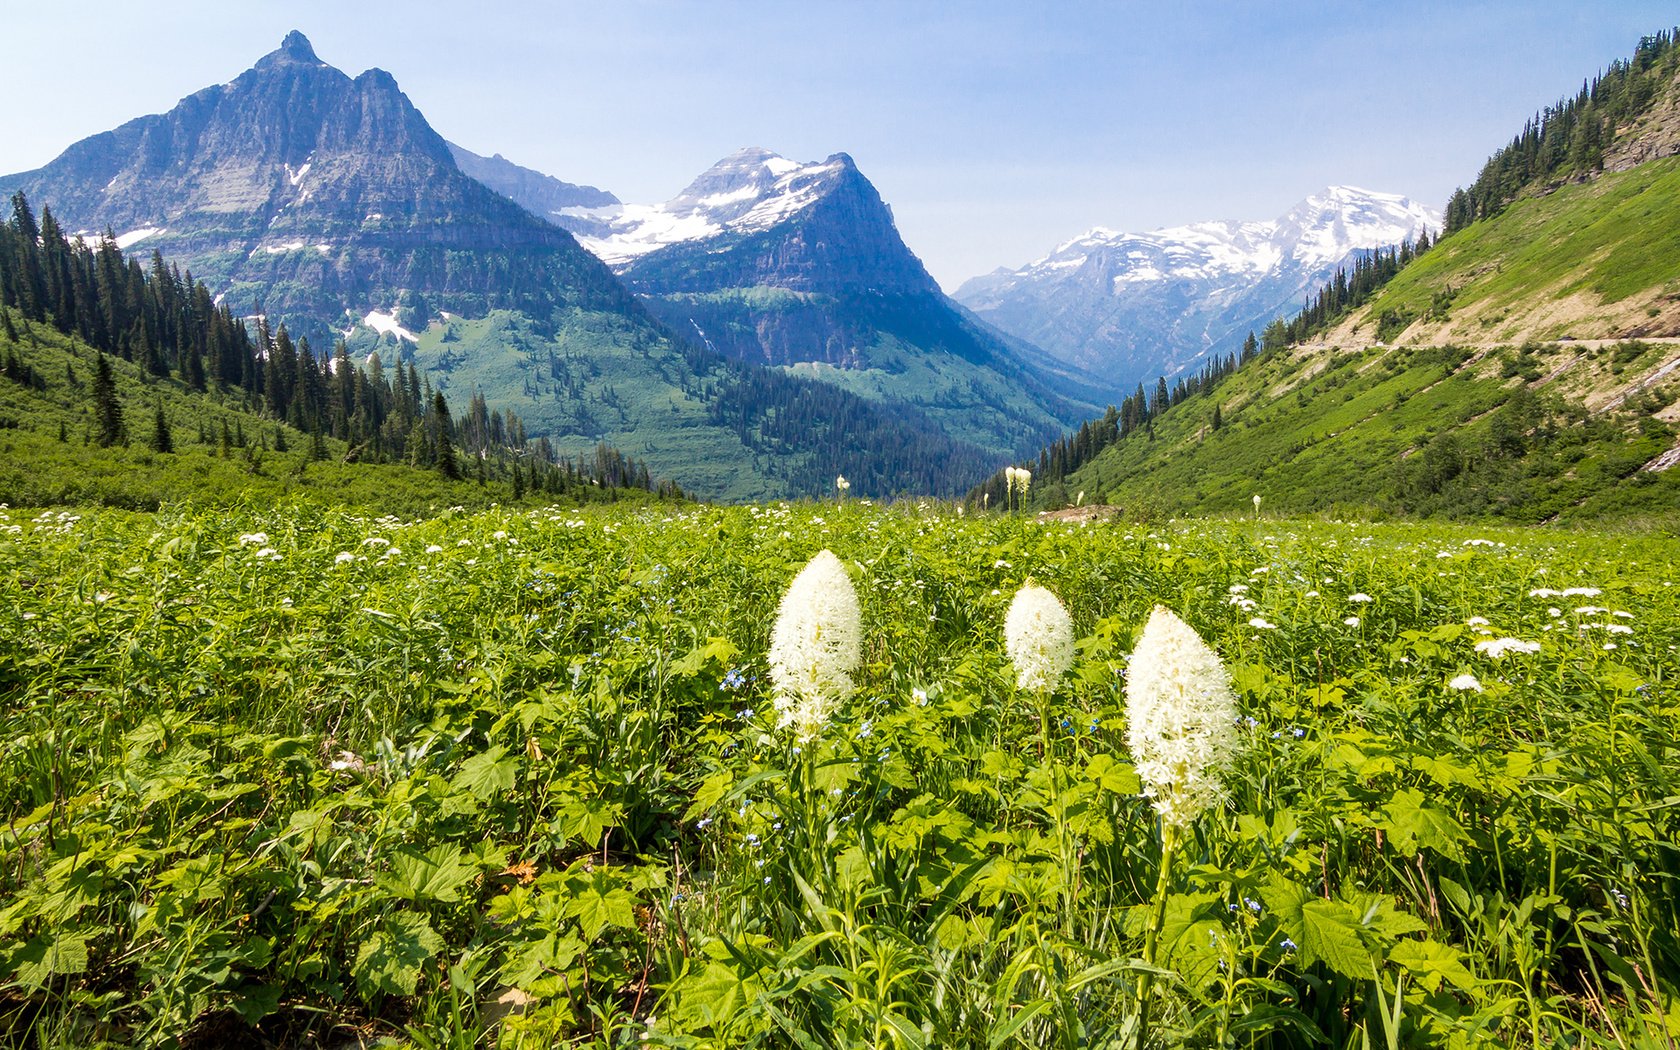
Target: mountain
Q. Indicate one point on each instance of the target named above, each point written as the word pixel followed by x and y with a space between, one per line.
pixel 1522 368
pixel 539 194
pixel 327 203
pixel 1138 305
pixel 298 191
pixel 800 266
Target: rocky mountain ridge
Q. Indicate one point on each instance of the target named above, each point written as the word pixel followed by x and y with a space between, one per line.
pixel 1145 304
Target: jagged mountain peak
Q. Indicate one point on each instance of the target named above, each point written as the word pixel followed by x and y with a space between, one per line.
pixel 1141 304
pixel 295 48
pixel 749 191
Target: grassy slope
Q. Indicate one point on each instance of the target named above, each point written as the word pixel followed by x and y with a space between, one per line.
pixel 1319 431
pixel 901 356
pixel 36 469
pixel 1588 261
pixel 641 400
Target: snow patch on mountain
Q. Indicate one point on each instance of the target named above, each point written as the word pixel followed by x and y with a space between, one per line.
pixel 1323 230
pixel 748 191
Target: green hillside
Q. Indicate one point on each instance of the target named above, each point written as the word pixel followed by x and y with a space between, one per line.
pixel 223 452
pixel 1507 433
pixel 1595 260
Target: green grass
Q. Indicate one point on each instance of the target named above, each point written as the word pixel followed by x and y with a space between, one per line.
pixel 293 778
pixel 1617 236
pixel 39 469
pixel 1369 432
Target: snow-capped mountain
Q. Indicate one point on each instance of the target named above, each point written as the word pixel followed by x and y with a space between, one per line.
pixel 749 191
pixel 800 266
pixel 1137 305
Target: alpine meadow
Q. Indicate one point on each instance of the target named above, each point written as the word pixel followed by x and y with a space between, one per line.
pixel 446 606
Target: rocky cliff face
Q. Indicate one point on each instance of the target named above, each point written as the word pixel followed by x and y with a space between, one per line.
pixel 1138 305
pixel 305 193
pixel 800 266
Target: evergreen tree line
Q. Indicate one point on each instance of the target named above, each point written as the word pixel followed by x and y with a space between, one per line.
pixel 1136 412
pixel 167 324
pixel 1570 138
pixel 808 433
pixel 1344 292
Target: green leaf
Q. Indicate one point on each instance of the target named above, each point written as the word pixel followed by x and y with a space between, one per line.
pixel 1414 823
pixel 1112 775
pixel 253 1002
pixel 599 903
pixel 436 875
pixel 711 792
pixel 1330 935
pixel 391 959
pixel 46 955
pixel 1432 963
pixel 487 774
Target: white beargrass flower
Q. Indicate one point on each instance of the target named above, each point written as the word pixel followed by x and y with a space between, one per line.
pixel 1038 635
pixel 1181 718
pixel 815 645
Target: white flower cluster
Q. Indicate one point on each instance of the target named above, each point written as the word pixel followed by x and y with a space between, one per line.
pixel 1017 479
pixel 1497 647
pixel 1038 635
pixel 815 645
pixel 1181 718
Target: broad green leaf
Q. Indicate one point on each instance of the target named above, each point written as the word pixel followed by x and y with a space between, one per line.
pixel 487 774
pixel 1112 775
pixel 390 960
pixel 48 955
pixel 599 903
pixel 1330 935
pixel 1432 963
pixel 435 875
pixel 1414 823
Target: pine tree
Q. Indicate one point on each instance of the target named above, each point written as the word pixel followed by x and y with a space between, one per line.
pixel 445 457
pixel 162 440
pixel 107 411
pixel 518 482
pixel 6 320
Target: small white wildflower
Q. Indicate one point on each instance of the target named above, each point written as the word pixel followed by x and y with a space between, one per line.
pixel 1497 647
pixel 920 696
pixel 1465 682
pixel 815 645
pixel 1038 634
pixel 432 548
pixel 1359 596
pixel 1352 621
pixel 254 539
pixel 1477 621
pixel 1584 592
pixel 1181 718
pixel 1260 622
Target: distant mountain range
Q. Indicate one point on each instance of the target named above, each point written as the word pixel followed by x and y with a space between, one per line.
pixel 1138 305
pixel 327 202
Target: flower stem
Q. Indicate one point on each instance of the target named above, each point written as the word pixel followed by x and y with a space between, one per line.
pixel 1157 919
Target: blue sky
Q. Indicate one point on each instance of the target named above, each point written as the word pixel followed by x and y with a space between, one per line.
pixel 994 129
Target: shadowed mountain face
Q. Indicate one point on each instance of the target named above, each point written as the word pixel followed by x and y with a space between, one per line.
pixel 1138 305
pixel 327 202
pixel 801 266
pixel 308 194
